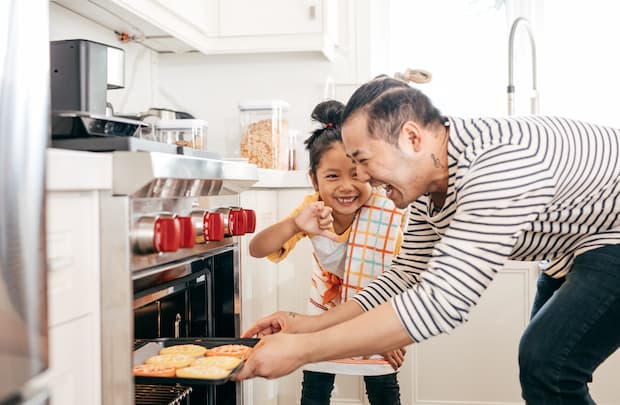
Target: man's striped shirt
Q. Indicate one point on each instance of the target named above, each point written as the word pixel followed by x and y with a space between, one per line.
pixel 529 188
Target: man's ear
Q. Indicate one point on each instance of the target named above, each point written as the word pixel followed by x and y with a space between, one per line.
pixel 313 180
pixel 411 136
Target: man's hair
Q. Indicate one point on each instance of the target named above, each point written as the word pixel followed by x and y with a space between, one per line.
pixel 388 104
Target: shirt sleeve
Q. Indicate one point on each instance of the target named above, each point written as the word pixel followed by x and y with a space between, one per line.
pixel 288 246
pixel 499 193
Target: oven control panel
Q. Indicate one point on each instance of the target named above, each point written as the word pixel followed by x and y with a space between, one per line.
pixel 168 232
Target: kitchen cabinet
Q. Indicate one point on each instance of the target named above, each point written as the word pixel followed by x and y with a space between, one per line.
pixel 73 262
pixel 73 273
pixel 219 26
pixel 163 26
pixel 268 287
pixel 246 26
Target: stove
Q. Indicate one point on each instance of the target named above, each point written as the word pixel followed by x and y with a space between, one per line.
pixel 170 261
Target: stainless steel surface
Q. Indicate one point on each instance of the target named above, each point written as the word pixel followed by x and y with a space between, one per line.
pixel 116 68
pixel 142 235
pixel 237 289
pixel 79 124
pixel 148 185
pixel 116 302
pixel 152 207
pixel 177 325
pixel 151 174
pixel 78 75
pixel 521 21
pixel 24 131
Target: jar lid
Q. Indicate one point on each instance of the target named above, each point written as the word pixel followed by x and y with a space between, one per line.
pixel 263 105
pixel 181 124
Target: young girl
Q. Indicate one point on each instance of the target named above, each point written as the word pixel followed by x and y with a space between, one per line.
pixel 354 230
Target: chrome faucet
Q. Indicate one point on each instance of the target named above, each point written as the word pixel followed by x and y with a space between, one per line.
pixel 511 87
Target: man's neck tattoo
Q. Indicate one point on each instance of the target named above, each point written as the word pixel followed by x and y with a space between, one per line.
pixel 436 161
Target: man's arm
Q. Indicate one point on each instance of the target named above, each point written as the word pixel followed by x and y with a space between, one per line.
pixel 375 331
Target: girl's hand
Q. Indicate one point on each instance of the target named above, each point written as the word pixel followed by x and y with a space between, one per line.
pixel 395 357
pixel 316 219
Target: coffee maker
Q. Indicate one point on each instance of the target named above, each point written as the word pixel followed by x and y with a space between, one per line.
pixel 82 72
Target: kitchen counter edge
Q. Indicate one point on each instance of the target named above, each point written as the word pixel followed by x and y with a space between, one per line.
pixel 268 178
pixel 78 170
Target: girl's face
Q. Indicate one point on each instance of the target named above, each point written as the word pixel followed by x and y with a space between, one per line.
pixel 337 183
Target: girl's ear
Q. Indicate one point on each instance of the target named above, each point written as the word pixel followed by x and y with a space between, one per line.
pixel 313 180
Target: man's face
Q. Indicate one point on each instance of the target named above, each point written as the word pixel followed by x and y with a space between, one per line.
pixel 382 163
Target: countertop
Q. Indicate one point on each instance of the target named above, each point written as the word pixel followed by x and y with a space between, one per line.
pixel 268 178
pixel 78 170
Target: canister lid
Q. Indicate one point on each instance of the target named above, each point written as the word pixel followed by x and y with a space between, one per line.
pixel 264 105
pixel 181 124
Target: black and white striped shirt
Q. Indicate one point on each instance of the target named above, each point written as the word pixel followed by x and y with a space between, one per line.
pixel 527 188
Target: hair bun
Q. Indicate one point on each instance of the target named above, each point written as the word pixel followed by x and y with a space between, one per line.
pixel 328 113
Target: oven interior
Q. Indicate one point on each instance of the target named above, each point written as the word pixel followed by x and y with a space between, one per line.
pixel 191 306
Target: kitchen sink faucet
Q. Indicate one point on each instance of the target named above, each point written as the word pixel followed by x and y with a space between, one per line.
pixel 511 88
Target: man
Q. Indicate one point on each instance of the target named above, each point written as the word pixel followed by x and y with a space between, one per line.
pixel 480 192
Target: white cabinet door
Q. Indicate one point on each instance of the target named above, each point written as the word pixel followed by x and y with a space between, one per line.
pixel 258 288
pixel 73 297
pixel 604 387
pixel 270 17
pixel 182 24
pixel 247 26
pixel 477 362
pixel 193 12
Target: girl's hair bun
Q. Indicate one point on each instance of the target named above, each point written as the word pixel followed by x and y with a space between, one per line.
pixel 328 113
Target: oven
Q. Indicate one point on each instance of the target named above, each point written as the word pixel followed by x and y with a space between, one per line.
pixel 170 266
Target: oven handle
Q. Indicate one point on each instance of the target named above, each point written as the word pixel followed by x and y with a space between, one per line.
pixel 156 296
pixel 152 271
pixel 177 326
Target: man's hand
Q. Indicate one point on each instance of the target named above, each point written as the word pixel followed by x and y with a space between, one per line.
pixel 281 321
pixel 274 356
pixel 316 219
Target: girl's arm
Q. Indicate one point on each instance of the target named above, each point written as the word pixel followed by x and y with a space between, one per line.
pixel 313 219
pixel 271 239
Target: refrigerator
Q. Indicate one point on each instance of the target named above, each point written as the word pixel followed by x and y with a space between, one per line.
pixel 24 133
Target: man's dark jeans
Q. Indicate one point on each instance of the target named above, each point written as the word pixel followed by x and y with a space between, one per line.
pixel 575 326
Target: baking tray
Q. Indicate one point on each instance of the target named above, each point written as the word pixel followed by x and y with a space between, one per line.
pixel 145 348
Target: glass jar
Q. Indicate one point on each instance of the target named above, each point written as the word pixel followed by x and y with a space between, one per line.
pixel 293 150
pixel 184 133
pixel 263 125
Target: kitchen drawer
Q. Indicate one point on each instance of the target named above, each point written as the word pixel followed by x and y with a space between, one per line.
pixel 73 254
pixel 75 362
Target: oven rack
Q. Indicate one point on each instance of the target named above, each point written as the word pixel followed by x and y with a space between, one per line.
pixel 149 394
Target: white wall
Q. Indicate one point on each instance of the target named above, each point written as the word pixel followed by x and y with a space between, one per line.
pixel 463 45
pixel 580 73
